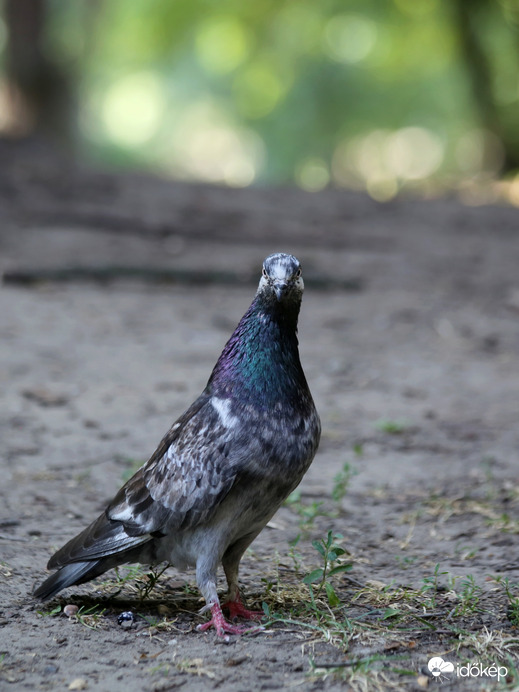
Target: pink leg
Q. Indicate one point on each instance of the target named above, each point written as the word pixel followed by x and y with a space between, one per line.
pixel 237 609
pixel 221 625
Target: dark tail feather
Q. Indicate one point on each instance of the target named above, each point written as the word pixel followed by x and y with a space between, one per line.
pixel 73 573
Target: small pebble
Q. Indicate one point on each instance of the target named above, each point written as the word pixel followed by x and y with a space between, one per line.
pixel 126 620
pixel 78 684
pixel 70 610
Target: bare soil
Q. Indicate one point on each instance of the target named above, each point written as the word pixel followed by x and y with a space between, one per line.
pixel 119 293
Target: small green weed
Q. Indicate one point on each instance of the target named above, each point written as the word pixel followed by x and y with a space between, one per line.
pixel 148 582
pixel 469 597
pixel 307 513
pixel 49 613
pixel 296 557
pixel 513 601
pixel 330 553
pixel 90 617
pixel 139 578
pixel 342 480
pixel 431 585
pixel 405 561
pixel 392 427
pixel 358 449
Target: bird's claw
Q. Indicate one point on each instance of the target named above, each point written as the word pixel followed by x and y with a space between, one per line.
pixel 222 626
pixel 238 610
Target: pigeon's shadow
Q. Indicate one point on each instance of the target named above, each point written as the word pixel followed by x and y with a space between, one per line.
pixel 173 605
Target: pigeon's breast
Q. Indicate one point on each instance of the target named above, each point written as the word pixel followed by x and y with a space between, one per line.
pixel 279 443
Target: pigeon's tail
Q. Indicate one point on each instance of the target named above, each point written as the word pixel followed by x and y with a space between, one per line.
pixel 73 573
pixel 102 545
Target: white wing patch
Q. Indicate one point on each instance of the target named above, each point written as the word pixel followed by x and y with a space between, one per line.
pixel 223 408
pixel 124 514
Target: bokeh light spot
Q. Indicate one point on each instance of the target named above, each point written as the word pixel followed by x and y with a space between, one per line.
pixel 133 108
pixel 480 151
pixel 222 44
pixel 413 153
pixel 298 29
pixel 258 89
pixel 349 38
pixel 312 174
pixel 381 160
pixel 382 189
pixel 207 146
pixel 513 191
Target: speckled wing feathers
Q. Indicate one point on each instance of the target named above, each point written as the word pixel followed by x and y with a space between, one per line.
pixel 184 480
pixel 179 487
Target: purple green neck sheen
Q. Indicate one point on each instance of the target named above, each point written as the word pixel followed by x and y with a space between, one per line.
pixel 261 359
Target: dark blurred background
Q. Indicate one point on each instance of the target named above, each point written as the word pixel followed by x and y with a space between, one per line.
pixel 419 95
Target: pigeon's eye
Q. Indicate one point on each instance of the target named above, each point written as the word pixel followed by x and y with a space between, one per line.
pixel 298 273
pixel 265 275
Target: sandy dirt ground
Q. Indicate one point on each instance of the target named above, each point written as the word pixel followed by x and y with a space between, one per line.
pixel 118 295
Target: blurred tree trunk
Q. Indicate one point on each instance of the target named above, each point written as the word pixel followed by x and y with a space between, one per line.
pixel 469 16
pixel 42 97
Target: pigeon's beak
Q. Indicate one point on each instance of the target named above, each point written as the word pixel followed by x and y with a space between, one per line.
pixel 280 288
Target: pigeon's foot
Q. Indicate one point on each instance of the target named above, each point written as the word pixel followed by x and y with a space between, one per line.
pixel 221 625
pixel 238 610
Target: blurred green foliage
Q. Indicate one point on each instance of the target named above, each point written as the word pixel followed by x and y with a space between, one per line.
pixel 360 93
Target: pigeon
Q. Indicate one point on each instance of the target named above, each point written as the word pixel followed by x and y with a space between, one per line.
pixel 224 467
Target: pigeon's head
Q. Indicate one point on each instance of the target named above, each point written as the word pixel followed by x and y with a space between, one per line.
pixel 281 278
